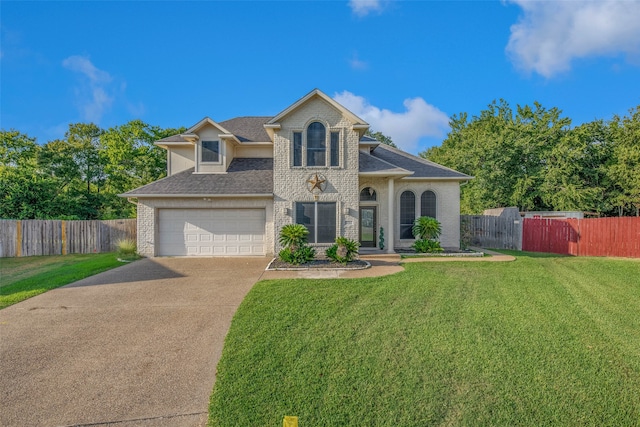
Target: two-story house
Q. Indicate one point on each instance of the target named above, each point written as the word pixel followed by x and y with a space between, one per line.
pixel 232 185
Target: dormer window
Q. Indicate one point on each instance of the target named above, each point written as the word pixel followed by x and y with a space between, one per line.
pixel 210 152
pixel 316 149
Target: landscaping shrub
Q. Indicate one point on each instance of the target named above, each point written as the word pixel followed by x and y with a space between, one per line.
pixel 427 246
pixel 343 250
pixel 427 230
pixel 294 239
pixel 126 249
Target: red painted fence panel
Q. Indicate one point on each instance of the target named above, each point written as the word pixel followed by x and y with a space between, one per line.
pixel 616 237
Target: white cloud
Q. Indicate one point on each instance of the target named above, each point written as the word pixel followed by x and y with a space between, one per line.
pixel 419 120
pixel 550 34
pixel 93 93
pixel 364 7
pixel 356 63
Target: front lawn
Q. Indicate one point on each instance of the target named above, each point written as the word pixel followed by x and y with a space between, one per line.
pixel 25 277
pixel 538 341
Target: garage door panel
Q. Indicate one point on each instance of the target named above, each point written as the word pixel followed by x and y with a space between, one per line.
pixel 202 232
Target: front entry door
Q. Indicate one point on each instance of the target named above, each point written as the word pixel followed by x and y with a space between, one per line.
pixel 368 226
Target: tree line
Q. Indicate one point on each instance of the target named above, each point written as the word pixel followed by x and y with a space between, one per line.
pixel 530 158
pixel 80 175
pixel 534 159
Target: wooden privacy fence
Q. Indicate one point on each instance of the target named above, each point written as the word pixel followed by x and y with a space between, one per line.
pixel 619 236
pixel 53 237
pixel 491 231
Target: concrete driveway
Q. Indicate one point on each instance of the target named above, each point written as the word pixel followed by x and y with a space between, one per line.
pixel 134 346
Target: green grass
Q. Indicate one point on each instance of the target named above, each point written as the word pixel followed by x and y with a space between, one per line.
pixel 22 278
pixel 541 341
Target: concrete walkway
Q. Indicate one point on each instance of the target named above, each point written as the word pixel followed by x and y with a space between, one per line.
pixel 134 346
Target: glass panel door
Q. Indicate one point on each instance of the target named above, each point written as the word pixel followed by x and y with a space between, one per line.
pixel 368 226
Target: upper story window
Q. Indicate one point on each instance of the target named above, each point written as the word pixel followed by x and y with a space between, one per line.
pixel 316 147
pixel 335 149
pixel 316 144
pixel 297 149
pixel 210 152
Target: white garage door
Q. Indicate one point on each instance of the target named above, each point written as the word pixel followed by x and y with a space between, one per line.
pixel 202 232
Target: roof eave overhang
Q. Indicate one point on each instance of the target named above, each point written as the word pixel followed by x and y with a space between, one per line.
pixel 167 144
pixel 195 196
pixel 441 178
pixel 271 129
pixel 386 174
pixel 229 137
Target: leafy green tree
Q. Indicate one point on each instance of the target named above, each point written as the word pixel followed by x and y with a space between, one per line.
pixel 504 151
pixel 574 176
pixel 624 170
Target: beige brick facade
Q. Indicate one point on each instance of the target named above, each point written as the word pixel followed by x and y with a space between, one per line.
pixel 290 183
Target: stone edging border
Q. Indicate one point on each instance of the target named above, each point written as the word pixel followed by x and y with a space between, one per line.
pixel 316 269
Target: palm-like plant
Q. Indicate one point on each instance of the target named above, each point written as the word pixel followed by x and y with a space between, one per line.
pixel 426 228
pixel 293 236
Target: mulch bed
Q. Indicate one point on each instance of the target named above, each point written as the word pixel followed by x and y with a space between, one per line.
pixel 318 264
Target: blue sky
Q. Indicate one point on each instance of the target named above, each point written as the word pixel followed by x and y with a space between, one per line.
pixel 403 66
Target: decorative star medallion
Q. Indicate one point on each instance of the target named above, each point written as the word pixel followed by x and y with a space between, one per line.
pixel 316 181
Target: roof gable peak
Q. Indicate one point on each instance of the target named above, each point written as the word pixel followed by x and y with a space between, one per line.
pixel 317 93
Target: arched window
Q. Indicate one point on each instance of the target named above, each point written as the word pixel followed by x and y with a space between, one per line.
pixel 407 214
pixel 368 194
pixel 428 204
pixel 316 144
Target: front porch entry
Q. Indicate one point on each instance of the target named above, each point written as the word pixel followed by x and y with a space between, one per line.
pixel 368 227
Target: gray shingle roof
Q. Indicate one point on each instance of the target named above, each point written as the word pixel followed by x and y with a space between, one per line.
pixel 370 164
pixel 248 129
pixel 422 168
pixel 244 176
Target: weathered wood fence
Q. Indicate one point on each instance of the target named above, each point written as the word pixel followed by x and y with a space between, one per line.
pixel 53 237
pixel 618 236
pixel 491 231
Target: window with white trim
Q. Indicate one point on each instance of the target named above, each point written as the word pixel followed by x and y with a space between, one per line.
pixel 315 147
pixel 210 152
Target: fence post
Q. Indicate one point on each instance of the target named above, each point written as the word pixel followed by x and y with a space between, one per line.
pixel 64 236
pixel 18 238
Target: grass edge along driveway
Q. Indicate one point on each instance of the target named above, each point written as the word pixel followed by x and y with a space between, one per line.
pixel 25 277
pixel 544 340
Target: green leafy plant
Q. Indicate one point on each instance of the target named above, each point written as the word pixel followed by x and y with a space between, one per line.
pixel 300 256
pixel 293 236
pixel 426 227
pixel 381 238
pixel 294 239
pixel 427 230
pixel 427 246
pixel 343 250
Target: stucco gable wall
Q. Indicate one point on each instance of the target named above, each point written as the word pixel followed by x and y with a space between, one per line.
pixel 180 159
pixel 210 133
pixel 290 184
